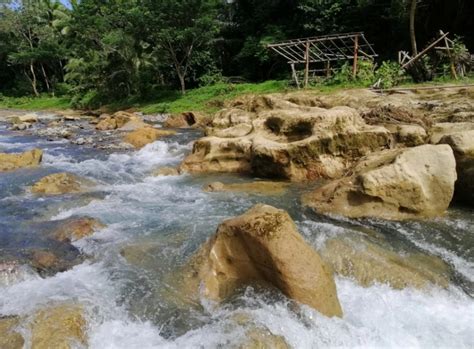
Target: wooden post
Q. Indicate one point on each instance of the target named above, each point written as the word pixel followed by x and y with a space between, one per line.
pixel 306 70
pixel 356 52
pixel 328 69
pixel 295 76
pixel 453 68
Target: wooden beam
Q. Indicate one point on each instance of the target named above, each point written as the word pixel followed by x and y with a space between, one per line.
pixel 422 53
pixel 306 70
pixel 356 51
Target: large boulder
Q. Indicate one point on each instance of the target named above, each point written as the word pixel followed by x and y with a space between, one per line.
pixel 187 119
pixel 59 327
pixel 263 246
pixel 369 264
pixel 13 161
pixel 296 143
pixel 10 338
pixel 145 135
pixel 117 120
pixel 462 143
pixel 396 184
pixel 59 183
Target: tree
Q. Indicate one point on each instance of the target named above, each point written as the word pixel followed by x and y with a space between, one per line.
pixel 183 28
pixel 412 27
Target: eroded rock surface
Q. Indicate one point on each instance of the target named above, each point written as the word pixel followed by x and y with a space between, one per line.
pixel 60 183
pixel 10 338
pixel 75 228
pixel 258 187
pixel 13 161
pixel 268 137
pixel 264 246
pixel 145 135
pixel 395 184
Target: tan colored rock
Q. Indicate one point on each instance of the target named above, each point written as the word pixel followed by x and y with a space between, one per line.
pixel 76 228
pixel 397 184
pixel 143 136
pixel 369 264
pixel 59 327
pixel 117 120
pixel 58 184
pixel 409 135
pixel 134 124
pixel 258 187
pixel 106 123
pixel 442 129
pixel 187 119
pixel 166 171
pixel 9 337
pixel 262 338
pixel 462 143
pixel 28 118
pixel 44 260
pixel 264 246
pixel 13 161
pixel 298 144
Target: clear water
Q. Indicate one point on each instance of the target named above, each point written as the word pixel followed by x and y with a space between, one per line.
pixel 126 304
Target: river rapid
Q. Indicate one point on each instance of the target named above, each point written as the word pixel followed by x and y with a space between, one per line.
pixel 165 219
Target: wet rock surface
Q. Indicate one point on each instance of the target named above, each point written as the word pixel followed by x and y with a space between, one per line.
pixel 10 338
pixel 263 245
pixel 13 161
pixel 145 135
pixel 258 187
pixel 60 183
pixel 397 184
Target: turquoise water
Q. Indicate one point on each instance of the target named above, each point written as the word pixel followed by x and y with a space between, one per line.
pixel 133 306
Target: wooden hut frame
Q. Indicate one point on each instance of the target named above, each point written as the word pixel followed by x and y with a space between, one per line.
pixel 323 49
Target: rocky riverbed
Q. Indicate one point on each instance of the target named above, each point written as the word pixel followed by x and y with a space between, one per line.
pixel 294 220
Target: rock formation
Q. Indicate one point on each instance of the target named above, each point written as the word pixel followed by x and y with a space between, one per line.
pixel 258 187
pixel 263 246
pixel 268 137
pixel 75 228
pixel 145 135
pixel 58 184
pixel 13 161
pixel 395 184
pixel 368 264
pixel 9 337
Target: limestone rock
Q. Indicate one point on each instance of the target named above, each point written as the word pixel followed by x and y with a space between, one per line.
pixel 297 143
pixel 9 338
pixel 262 338
pixel 134 124
pixel 12 272
pixel 396 184
pixel 258 187
pixel 442 129
pixel 369 264
pixel 187 119
pixel 13 161
pixel 408 135
pixel 117 120
pixel 462 143
pixel 143 136
pixel 75 228
pixel 59 327
pixel 43 260
pixel 166 171
pixel 28 118
pixel 264 246
pixel 58 184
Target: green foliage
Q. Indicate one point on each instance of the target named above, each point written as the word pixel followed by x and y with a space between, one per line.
pixel 365 75
pixel 390 74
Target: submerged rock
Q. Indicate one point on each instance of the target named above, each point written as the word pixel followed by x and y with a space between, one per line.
pixel 368 264
pixel 258 187
pixel 262 338
pixel 295 143
pixel 264 246
pixel 12 272
pixel 166 171
pixel 59 327
pixel 13 161
pixel 143 136
pixel 75 228
pixel 59 183
pixel 396 184
pixel 9 337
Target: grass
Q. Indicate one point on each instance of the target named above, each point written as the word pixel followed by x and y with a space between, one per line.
pixel 44 102
pixel 207 99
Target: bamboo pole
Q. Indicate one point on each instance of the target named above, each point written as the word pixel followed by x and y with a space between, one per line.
pixel 306 70
pixel 356 51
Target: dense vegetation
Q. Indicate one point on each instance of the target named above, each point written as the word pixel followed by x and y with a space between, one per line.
pixel 105 51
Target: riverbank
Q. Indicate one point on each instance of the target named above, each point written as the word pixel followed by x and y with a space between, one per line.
pixel 208 99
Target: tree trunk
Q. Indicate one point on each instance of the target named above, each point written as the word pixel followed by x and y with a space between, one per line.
pixel 182 82
pixel 46 80
pixel 33 80
pixel 412 28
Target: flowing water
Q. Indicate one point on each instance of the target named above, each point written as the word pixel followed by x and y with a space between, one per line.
pixel 165 219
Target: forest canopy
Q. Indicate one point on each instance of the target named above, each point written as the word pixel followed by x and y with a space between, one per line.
pixel 99 51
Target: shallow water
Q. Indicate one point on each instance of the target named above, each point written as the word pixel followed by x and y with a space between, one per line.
pixel 133 306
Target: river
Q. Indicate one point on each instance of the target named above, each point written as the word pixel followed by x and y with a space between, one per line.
pixel 129 305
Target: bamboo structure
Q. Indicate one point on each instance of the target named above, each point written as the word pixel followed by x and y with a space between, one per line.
pixel 323 49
